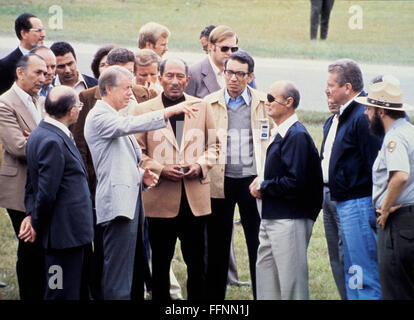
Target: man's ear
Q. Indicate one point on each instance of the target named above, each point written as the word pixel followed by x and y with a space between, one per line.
pixel 149 45
pixel 19 72
pixel 250 77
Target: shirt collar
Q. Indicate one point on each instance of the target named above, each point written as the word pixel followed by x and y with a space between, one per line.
pixel 27 99
pixel 58 124
pixel 80 80
pixel 23 50
pixel 43 92
pixel 216 70
pixel 283 128
pixel 344 106
pixel 243 98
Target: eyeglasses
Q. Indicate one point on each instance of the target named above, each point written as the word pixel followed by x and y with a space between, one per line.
pixel 271 99
pixel 239 74
pixel 38 30
pixel 227 48
pixel 80 106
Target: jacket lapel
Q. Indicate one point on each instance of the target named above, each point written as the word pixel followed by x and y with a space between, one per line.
pixel 24 112
pixel 209 78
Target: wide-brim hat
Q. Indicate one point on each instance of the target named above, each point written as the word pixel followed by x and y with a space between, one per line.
pixel 385 95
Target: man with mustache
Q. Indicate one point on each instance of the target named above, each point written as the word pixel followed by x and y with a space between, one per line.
pixel 20 113
pixel 67 70
pixel 30 32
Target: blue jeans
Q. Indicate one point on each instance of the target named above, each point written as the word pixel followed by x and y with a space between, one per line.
pixel 358 231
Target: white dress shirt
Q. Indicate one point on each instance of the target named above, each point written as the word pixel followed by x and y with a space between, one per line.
pixel 28 102
pixel 219 74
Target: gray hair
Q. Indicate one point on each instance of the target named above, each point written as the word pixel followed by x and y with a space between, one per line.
pixel 111 77
pixel 348 71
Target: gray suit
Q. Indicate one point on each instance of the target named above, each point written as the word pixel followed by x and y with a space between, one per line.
pixel 116 156
pixel 203 81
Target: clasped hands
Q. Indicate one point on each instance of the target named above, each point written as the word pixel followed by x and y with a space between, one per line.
pixel 176 172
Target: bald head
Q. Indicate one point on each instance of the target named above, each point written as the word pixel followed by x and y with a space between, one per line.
pixel 287 89
pixel 60 101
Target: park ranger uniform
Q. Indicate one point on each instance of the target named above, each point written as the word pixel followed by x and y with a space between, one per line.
pixel 396 241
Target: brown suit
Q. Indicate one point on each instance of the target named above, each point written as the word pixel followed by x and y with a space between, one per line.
pixel 178 209
pixel 159 147
pixel 89 97
pixel 15 117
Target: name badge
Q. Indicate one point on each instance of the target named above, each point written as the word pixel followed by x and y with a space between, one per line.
pixel 264 129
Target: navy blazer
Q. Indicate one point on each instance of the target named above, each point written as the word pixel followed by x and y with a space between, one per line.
pixel 293 185
pixel 57 193
pixel 8 69
pixel 353 154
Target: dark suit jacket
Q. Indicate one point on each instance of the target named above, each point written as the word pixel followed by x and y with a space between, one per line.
pixel 353 154
pixel 90 82
pixel 57 194
pixel 292 186
pixel 203 81
pixel 8 70
pixel 89 97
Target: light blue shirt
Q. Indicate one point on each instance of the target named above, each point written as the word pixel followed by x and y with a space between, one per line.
pixel 240 100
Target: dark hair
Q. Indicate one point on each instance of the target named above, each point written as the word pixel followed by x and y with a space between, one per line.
pixel 24 61
pixel 163 62
pixel 293 92
pixel 348 71
pixel 242 57
pixel 120 55
pixel 61 48
pixel 206 31
pixel 23 23
pixel 394 114
pixel 102 52
pixel 60 107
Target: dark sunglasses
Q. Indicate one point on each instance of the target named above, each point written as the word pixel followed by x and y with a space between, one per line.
pixel 271 99
pixel 227 48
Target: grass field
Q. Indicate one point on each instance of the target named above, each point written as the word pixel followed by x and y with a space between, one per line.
pixel 272 28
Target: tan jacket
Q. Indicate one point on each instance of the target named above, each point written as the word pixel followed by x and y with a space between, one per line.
pixel 258 118
pixel 159 148
pixel 14 119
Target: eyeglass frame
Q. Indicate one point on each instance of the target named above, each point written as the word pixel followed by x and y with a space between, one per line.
pixel 238 74
pixel 223 48
pixel 37 29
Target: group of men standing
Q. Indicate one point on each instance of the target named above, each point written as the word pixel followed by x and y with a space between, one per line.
pixel 77 177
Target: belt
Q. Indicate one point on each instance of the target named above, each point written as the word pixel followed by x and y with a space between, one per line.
pixel 406 209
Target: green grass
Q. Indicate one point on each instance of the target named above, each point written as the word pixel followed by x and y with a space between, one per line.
pixel 268 28
pixel 321 283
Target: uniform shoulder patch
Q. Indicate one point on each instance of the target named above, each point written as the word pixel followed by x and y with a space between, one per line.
pixel 391 146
